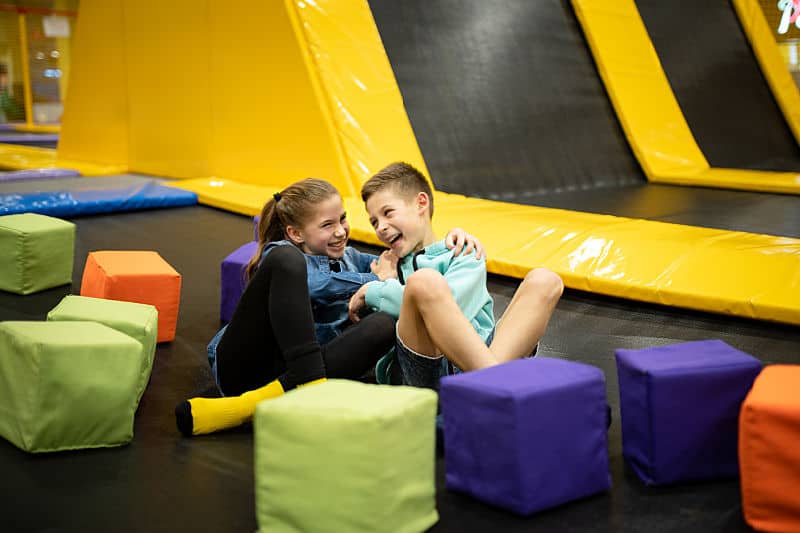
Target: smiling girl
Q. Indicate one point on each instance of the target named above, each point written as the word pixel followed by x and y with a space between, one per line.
pixel 291 326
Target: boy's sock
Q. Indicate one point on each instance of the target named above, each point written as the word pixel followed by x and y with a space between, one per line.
pixel 199 416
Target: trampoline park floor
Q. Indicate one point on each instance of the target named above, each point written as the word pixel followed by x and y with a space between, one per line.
pixel 165 482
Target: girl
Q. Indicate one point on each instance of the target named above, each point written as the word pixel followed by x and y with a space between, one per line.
pixel 275 340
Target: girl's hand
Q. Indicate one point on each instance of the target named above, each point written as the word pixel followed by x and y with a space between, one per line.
pixel 385 266
pixel 459 240
pixel 357 302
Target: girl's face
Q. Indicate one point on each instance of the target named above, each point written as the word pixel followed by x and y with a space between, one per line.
pixel 325 232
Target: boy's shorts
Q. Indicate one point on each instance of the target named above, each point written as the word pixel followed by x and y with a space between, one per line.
pixel 422 370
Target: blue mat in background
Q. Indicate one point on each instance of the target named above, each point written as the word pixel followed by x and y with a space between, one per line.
pixel 86 196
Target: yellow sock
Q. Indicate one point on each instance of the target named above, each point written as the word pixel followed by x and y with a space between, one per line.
pixel 215 414
pixel 315 382
pixel 200 416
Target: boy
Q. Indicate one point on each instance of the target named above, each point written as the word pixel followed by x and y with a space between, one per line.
pixel 445 311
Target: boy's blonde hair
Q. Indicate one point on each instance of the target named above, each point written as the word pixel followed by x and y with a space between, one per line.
pixel 402 178
pixel 293 206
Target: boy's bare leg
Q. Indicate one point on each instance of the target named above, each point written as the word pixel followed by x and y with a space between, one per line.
pixel 431 323
pixel 525 319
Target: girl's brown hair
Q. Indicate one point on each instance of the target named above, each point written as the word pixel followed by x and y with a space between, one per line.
pixel 290 207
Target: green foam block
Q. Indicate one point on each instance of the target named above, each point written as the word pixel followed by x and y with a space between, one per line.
pixel 136 320
pixel 38 252
pixel 346 456
pixel 67 385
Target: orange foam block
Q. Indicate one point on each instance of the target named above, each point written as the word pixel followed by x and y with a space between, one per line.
pixel 136 276
pixel 769 455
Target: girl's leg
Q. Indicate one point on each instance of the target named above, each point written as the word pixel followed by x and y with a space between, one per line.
pixel 272 332
pixel 354 352
pixel 525 319
pixel 271 335
pixel 431 323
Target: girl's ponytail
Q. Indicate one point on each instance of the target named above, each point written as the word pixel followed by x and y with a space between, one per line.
pixel 270 229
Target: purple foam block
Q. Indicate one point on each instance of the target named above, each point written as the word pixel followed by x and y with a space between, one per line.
pixel 526 435
pixel 680 409
pixel 233 279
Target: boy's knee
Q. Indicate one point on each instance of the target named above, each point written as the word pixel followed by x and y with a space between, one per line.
pixel 545 283
pixel 426 283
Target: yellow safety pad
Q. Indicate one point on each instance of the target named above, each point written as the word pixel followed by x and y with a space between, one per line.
pixel 18 157
pixel 639 90
pixel 244 198
pixel 730 178
pixel 646 106
pixel 359 87
pixel 38 128
pixel 734 273
pixel 761 38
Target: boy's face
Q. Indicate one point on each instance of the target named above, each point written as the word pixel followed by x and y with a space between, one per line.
pixel 399 223
pixel 325 232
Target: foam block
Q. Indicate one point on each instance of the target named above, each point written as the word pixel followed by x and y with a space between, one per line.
pixel 136 276
pixel 37 252
pixel 139 321
pixel 680 406
pixel 769 430
pixel 346 456
pixel 67 385
pixel 526 435
pixel 233 279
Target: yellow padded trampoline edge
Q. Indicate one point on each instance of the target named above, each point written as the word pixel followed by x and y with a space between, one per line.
pixel 16 157
pixel 656 262
pixel 780 81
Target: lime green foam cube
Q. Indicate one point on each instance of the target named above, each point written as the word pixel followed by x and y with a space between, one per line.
pixel 67 385
pixel 346 456
pixel 38 252
pixel 139 321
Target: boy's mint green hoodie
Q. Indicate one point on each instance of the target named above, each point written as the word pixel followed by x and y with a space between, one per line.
pixel 465 276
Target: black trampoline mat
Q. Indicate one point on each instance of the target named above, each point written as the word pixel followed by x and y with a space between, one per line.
pixel 164 482
pixel 719 85
pixel 506 104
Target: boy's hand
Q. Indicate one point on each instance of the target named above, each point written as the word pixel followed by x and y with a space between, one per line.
pixel 459 240
pixel 385 266
pixel 357 302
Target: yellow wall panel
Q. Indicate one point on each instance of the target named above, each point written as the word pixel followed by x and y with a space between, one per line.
pixel 269 121
pixel 198 89
pixel 94 126
pixel 168 85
